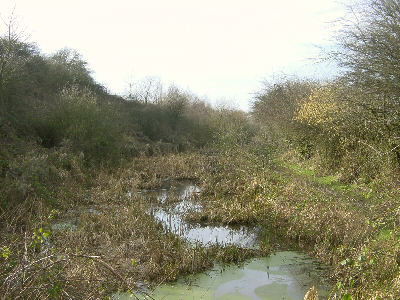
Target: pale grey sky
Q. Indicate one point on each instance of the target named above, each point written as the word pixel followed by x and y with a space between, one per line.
pixel 221 49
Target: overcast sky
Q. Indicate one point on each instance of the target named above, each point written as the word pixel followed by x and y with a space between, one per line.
pixel 221 49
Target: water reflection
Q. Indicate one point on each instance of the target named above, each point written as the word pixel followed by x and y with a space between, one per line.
pixel 182 197
pixel 283 275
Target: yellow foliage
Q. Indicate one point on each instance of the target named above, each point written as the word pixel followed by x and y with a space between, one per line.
pixel 319 108
pixel 312 294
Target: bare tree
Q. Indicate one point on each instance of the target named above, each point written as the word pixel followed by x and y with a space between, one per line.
pixel 148 90
pixel 369 50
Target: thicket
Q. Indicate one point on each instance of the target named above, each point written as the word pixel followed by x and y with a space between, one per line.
pixel 58 126
pixel 349 124
pixel 60 133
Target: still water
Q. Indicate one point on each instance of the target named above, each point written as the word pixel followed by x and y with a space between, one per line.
pixel 281 275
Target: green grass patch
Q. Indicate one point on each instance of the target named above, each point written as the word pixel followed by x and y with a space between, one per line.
pixel 385 234
pixel 328 180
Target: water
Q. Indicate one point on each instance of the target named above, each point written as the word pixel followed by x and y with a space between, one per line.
pixel 172 219
pixel 69 225
pixel 72 222
pixel 281 275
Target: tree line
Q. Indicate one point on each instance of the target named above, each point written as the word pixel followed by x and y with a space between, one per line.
pixel 351 123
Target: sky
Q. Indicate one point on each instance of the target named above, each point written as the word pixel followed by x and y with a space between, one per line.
pixel 221 50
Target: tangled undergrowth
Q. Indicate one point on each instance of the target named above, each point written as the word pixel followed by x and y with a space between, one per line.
pixel 115 245
pixel 107 241
pixel 353 229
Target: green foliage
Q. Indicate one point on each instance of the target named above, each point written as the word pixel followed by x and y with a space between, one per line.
pixel 179 119
pixel 55 101
pixel 14 54
pixel 38 238
pixel 232 129
pixel 331 123
pixel 79 119
pixel 368 51
pixel 274 108
pixel 5 252
pixel 276 104
pixel 70 67
pixel 350 124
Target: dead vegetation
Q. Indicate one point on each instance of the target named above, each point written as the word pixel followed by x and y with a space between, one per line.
pixel 111 242
pixel 354 231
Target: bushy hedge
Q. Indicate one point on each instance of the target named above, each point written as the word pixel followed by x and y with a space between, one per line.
pixel 55 100
pixel 79 119
pixel 351 123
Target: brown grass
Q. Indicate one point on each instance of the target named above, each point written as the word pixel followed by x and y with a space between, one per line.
pixel 117 245
pixel 355 233
pixel 122 248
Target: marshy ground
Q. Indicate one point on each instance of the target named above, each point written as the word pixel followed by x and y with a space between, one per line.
pixel 314 166
pixel 119 240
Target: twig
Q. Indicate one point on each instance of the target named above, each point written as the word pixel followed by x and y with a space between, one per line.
pixel 148 295
pixel 98 259
pixel 378 152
